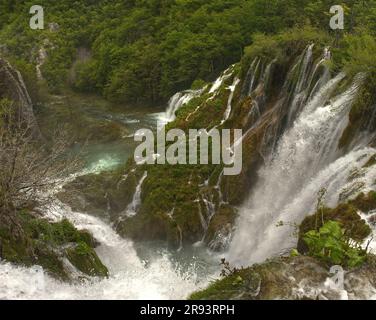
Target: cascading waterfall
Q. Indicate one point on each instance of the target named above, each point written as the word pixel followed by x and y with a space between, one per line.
pixel 219 81
pixel 178 100
pixel 229 103
pixel 305 160
pixel 253 72
pixel 136 201
pixel 17 91
pixel 302 87
pixel 130 277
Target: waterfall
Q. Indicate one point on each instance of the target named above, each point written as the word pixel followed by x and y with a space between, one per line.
pixel 136 201
pixel 203 222
pixel 15 89
pixel 222 78
pixel 178 100
pixel 301 91
pixel 306 158
pixel 231 97
pixel 254 69
pixel 130 277
pixel 307 59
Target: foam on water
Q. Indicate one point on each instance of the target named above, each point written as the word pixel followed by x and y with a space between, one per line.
pixel 306 160
pixel 130 277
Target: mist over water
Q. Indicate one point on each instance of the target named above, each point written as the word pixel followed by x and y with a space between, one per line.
pixel 305 160
pixel 130 276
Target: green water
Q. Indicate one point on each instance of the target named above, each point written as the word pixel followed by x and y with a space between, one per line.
pixel 102 132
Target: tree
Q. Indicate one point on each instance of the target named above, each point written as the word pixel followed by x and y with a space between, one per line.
pixel 29 167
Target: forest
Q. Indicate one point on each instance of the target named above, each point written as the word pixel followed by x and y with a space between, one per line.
pixel 143 51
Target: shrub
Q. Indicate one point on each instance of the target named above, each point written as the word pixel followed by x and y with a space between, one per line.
pixel 332 246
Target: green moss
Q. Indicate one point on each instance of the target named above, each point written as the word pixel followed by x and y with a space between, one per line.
pixel 41 243
pixel 198 84
pixel 365 202
pixel 84 258
pixel 361 110
pixel 346 214
pixel 229 287
pixel 168 203
pixel 50 261
pixel 267 281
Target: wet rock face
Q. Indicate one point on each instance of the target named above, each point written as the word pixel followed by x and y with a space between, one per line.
pixel 105 195
pixel 12 87
pixel 290 279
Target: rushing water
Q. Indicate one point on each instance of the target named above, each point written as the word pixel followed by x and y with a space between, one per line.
pixel 131 277
pixel 150 272
pixel 305 161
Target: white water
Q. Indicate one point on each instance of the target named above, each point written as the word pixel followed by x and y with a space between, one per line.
pixel 228 110
pixel 130 277
pixel 306 160
pixel 253 70
pixel 219 81
pixel 178 100
pixel 136 201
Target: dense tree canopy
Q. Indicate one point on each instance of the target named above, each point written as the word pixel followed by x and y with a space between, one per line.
pixel 142 51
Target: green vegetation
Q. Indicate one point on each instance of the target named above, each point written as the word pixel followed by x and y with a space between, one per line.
pixel 281 279
pixel 345 214
pixel 144 51
pixel 27 171
pixel 276 279
pixel 347 217
pixel 335 235
pixel 42 243
pixel 332 246
pixel 84 258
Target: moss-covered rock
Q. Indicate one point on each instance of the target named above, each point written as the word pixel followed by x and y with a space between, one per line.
pixel 346 214
pixel 274 279
pixel 289 278
pixel 84 258
pixel 365 202
pixel 362 113
pixel 174 197
pixel 169 206
pixel 40 242
pixel 105 194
